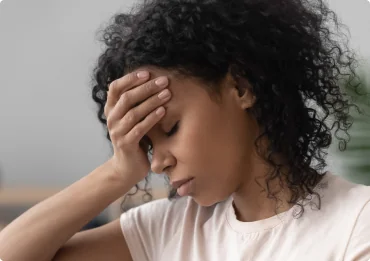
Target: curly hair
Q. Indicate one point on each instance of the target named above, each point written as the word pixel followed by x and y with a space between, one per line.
pixel 294 54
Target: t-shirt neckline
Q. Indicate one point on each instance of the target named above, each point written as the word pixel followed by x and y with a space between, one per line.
pixel 264 224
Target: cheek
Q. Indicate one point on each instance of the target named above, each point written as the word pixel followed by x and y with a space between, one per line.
pixel 195 146
pixel 211 154
pixel 209 149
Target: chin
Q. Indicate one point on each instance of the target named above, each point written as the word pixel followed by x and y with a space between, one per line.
pixel 208 201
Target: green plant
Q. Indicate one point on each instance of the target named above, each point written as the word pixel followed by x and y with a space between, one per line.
pixel 355 159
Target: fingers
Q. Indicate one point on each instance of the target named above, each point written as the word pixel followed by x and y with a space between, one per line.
pixel 125 106
pixel 134 105
pixel 137 114
pixel 140 129
pixel 117 87
pixel 136 134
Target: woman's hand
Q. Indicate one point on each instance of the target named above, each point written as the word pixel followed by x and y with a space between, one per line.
pixel 134 106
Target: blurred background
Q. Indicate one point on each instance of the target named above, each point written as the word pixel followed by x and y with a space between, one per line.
pixel 50 136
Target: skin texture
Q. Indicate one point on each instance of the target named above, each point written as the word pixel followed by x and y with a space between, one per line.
pixel 214 143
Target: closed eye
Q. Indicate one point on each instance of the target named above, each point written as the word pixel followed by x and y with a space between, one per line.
pixel 173 130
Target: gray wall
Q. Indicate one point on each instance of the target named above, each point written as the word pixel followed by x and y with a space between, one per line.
pixel 49 132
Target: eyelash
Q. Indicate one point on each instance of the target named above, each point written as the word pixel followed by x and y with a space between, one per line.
pixel 173 130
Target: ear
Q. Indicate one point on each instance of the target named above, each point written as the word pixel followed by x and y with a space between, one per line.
pixel 247 97
pixel 241 91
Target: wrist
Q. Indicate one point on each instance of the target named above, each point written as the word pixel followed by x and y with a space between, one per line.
pixel 116 183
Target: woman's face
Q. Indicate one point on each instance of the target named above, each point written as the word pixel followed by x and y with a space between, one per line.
pixel 213 142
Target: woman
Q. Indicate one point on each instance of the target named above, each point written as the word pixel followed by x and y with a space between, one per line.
pixel 235 101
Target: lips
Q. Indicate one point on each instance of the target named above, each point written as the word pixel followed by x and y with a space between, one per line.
pixel 179 183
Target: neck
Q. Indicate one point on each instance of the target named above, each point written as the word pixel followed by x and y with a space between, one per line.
pixel 252 200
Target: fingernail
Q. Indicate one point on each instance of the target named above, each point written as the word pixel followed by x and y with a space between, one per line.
pixel 142 75
pixel 164 94
pixel 162 82
pixel 160 111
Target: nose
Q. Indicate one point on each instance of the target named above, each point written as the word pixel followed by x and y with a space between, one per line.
pixel 162 161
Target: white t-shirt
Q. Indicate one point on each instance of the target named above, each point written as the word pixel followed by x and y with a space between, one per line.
pixel 181 230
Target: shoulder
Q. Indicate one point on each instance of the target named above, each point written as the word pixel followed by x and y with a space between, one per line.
pixel 338 203
pixel 148 227
pixel 345 211
pixel 152 216
pixel 341 193
pixel 358 247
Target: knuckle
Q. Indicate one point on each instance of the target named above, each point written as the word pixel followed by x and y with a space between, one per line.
pixel 113 134
pixel 125 98
pixel 130 80
pixel 109 123
pixel 131 77
pixel 137 132
pixel 130 117
pixel 149 87
pixel 113 85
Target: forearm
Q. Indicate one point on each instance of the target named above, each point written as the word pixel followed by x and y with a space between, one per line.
pixel 42 230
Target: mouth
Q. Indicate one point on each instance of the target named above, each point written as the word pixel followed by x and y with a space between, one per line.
pixel 184 187
pixel 179 183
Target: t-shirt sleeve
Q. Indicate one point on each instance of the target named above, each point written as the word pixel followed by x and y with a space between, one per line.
pixel 148 228
pixel 359 244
